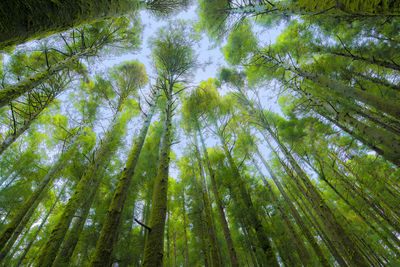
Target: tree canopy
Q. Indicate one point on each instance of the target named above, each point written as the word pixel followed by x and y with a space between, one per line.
pixel 183 133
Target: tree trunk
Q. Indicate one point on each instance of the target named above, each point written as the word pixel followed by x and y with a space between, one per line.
pixel 17 247
pixel 373 61
pixel 12 92
pixel 28 247
pixel 106 240
pixel 68 246
pixel 187 261
pixel 154 245
pixel 34 199
pixel 318 227
pixel 385 105
pixel 215 256
pixel 18 132
pixel 17 232
pixel 337 232
pixel 302 251
pixel 310 238
pixel 251 217
pixel 221 214
pixel 201 224
pixel 23 21
pixel 104 152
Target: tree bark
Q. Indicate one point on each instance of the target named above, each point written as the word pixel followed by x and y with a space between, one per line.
pixel 304 254
pixel 221 214
pixel 104 152
pixel 251 217
pixel 28 247
pixel 34 199
pixel 385 105
pixel 23 21
pixel 111 224
pixel 215 256
pixel 12 92
pixel 154 244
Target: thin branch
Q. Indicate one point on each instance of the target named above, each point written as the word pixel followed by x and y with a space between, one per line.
pixel 142 224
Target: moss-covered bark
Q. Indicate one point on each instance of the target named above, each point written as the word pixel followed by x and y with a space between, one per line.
pixel 384 105
pixel 154 245
pixel 251 218
pixel 33 239
pixel 27 218
pixel 187 260
pixel 110 227
pixel 302 250
pixel 221 214
pixel 72 238
pixel 34 199
pixel 15 134
pixel 306 232
pixel 348 248
pixel 200 219
pixel 104 152
pixel 12 92
pixel 356 8
pixel 215 256
pixel 24 20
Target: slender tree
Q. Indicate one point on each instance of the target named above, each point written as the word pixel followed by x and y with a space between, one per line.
pixel 173 57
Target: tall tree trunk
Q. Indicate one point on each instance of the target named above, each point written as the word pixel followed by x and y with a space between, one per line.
pixel 10 139
pixel 215 256
pixel 111 224
pixel 23 21
pixel 309 236
pixel 380 80
pixel 18 246
pixel 36 196
pixel 154 245
pixel 12 92
pixel 68 246
pixel 382 200
pixel 251 217
pixel 25 221
pixel 103 154
pixel 373 61
pixel 187 261
pixel 385 105
pixel 221 214
pixel 337 232
pixel 308 214
pixel 201 224
pixel 359 213
pixel 302 251
pixel 44 220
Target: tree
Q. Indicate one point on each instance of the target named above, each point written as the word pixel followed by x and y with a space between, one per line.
pixel 41 19
pixel 173 58
pixel 101 156
pixel 84 42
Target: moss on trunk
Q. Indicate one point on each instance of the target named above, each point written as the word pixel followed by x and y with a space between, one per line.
pixel 89 178
pixel 251 218
pixel 12 92
pixel 154 245
pixel 227 234
pixel 110 227
pixel 34 199
pixel 25 20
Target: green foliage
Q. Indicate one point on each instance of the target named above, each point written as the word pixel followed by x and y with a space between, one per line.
pixel 241 43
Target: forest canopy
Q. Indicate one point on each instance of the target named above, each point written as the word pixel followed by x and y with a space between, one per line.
pixel 199 133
